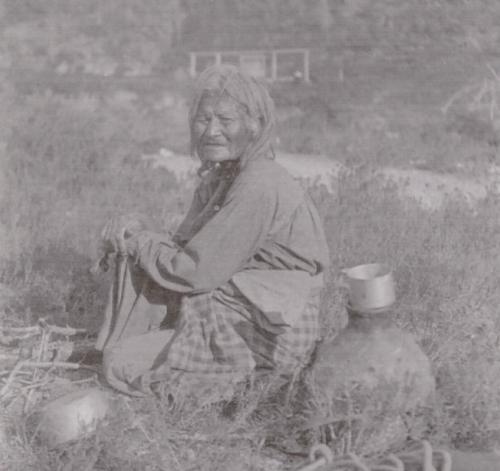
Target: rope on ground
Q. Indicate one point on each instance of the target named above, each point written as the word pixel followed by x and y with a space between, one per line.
pixel 419 457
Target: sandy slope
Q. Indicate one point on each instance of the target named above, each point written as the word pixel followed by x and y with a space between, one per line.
pixel 429 188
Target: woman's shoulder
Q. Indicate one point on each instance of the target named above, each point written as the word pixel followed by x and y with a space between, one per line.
pixel 267 174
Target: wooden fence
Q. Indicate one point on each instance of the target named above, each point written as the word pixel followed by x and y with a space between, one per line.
pixel 276 65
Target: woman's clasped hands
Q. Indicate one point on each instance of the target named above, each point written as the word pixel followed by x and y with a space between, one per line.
pixel 118 230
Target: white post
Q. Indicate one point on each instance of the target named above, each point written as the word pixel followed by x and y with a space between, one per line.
pixel 306 66
pixel 192 64
pixel 274 66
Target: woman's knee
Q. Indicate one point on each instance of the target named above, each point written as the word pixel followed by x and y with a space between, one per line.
pixel 120 373
pixel 132 358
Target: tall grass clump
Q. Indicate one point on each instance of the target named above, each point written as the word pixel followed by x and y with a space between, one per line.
pixel 71 163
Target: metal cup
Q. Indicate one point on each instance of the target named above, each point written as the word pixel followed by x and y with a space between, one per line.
pixel 371 287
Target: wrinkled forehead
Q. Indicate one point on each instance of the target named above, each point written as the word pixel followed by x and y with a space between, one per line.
pixel 220 102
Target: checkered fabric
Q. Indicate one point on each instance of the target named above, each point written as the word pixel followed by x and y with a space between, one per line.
pixel 212 339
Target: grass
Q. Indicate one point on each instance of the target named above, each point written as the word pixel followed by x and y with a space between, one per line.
pixel 69 163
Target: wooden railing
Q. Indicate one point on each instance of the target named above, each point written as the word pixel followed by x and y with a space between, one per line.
pixel 274 64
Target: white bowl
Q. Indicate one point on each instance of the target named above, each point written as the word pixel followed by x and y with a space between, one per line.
pixel 72 416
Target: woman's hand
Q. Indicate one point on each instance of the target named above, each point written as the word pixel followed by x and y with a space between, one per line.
pixel 117 230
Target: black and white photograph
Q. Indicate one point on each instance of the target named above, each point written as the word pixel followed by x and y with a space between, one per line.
pixel 249 235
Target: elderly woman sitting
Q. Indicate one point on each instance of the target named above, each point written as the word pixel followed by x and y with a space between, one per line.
pixel 237 287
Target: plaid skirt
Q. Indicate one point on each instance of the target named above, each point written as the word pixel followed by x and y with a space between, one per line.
pixel 212 338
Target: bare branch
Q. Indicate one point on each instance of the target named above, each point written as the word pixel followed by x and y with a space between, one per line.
pixel 493 71
pixel 37 329
pixel 39 364
pixel 456 96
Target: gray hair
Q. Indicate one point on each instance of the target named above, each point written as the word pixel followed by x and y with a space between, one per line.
pixel 249 93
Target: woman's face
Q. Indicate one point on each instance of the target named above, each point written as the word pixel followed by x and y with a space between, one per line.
pixel 220 129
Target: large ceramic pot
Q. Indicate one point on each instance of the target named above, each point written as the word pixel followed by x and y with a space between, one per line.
pixel 365 383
